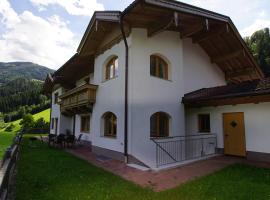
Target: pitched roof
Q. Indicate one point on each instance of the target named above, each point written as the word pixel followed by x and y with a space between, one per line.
pixel 215 33
pixel 245 92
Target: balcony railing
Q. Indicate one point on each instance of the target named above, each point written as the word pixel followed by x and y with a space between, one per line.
pixel 84 95
pixel 183 148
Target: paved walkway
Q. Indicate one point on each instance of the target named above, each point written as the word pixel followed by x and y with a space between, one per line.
pixel 164 179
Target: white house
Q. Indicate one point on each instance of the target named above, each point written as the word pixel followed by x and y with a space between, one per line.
pixel 163 82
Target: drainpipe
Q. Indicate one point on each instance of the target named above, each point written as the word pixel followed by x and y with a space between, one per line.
pixel 126 90
pixel 50 113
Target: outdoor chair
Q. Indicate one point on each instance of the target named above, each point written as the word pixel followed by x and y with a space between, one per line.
pixel 60 140
pixel 70 140
pixel 78 140
pixel 68 132
pixel 51 139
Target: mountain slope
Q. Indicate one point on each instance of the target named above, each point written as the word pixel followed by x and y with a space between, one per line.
pixel 20 89
pixel 13 70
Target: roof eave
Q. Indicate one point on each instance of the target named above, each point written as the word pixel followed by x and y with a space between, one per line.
pixel 112 16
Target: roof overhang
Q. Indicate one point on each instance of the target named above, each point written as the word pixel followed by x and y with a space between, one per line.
pixel 244 98
pixel 74 69
pixel 214 32
pixel 256 91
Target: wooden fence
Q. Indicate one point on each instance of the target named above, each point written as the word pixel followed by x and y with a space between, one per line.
pixel 7 166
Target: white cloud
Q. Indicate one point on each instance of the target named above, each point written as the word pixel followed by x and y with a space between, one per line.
pixel 28 37
pixel 9 16
pixel 248 16
pixel 73 7
pixel 257 25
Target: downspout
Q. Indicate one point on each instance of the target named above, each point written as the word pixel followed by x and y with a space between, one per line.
pixel 50 113
pixel 126 89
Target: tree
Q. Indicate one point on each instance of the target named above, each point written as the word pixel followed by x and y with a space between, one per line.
pixel 41 124
pixel 259 45
pixel 27 121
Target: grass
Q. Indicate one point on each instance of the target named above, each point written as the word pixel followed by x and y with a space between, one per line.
pixel 48 173
pixel 45 114
pixel 7 137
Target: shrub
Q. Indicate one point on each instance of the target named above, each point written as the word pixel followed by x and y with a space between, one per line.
pixel 27 122
pixel 41 124
pixel 10 128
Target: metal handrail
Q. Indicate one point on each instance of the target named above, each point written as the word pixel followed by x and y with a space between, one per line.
pixel 186 147
pixel 164 150
pixel 8 165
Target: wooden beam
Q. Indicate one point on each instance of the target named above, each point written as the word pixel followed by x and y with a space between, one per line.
pixel 228 56
pixel 242 72
pixel 159 27
pixel 207 35
pixel 191 31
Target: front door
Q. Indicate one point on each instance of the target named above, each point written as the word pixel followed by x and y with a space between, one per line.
pixel 234 134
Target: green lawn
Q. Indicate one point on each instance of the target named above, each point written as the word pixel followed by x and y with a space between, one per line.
pixel 7 137
pixel 48 173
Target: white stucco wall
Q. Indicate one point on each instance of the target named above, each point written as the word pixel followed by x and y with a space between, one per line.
pixel 148 94
pixel 55 112
pixel 190 69
pixel 256 118
pixel 199 72
pixel 109 98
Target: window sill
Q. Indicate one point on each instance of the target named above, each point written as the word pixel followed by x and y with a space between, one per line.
pixel 157 138
pixel 109 137
pixel 84 132
pixel 169 80
pixel 106 80
pixel 204 132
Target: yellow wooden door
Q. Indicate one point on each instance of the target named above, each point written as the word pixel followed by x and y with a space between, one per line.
pixel 234 134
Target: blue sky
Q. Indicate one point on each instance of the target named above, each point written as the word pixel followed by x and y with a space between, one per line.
pixel 48 32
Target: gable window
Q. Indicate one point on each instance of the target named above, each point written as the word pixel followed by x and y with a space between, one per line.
pixel 158 67
pixel 111 68
pixel 56 97
pixel 85 123
pixel 204 123
pixel 159 125
pixel 110 125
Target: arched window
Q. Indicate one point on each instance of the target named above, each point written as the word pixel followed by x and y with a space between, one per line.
pixel 158 67
pixel 159 125
pixel 111 68
pixel 110 124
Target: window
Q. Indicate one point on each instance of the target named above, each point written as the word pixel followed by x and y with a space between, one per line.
pixel 56 126
pixel 85 123
pixel 110 125
pixel 204 123
pixel 111 69
pixel 158 67
pixel 56 97
pixel 52 123
pixel 159 125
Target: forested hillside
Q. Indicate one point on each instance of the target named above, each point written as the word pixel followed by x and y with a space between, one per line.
pixel 20 89
pixel 13 70
pixel 259 45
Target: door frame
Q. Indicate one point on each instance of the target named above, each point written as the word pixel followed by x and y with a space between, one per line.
pixel 244 127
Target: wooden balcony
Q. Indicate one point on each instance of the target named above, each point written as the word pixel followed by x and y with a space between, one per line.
pixel 78 100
